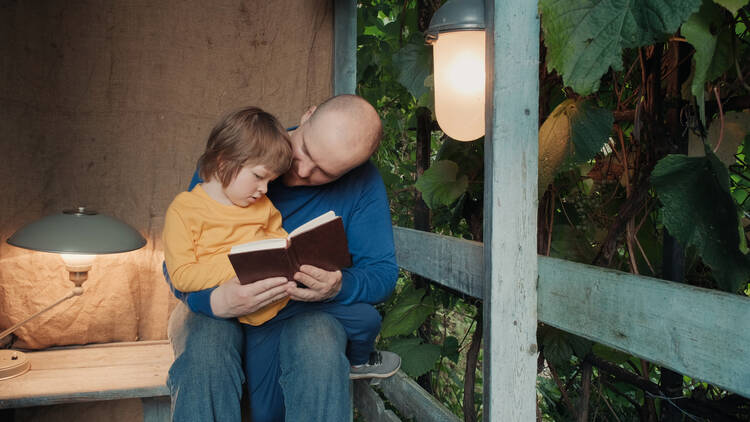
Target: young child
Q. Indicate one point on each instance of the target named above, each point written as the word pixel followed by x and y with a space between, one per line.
pixel 245 151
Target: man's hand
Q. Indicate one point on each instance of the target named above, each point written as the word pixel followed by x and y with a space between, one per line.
pixel 321 284
pixel 233 299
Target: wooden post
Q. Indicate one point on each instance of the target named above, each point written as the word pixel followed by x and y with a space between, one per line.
pixel 344 47
pixel 510 208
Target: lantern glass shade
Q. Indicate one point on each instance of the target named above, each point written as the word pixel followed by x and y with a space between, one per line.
pixel 459 83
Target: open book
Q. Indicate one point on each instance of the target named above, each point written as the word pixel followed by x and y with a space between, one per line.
pixel 320 242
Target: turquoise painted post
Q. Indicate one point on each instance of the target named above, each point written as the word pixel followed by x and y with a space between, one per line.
pixel 344 46
pixel 510 207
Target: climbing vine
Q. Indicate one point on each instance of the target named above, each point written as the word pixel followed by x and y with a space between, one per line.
pixel 644 120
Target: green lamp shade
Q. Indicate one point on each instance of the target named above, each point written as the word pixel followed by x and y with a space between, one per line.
pixel 79 231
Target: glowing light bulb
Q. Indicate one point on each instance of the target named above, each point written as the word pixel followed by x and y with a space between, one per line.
pixel 77 262
pixel 459 84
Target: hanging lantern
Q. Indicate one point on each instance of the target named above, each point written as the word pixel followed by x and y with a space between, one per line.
pixel 457 35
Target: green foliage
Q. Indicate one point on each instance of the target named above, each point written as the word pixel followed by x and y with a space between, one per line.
pixel 416 357
pixel 599 145
pixel 732 5
pixel 699 211
pixel 611 355
pixel 441 185
pixel 732 131
pixel 574 132
pixel 713 48
pixel 585 38
pixel 559 346
pixel 414 64
pixel 409 312
pixel 590 127
pixel 450 349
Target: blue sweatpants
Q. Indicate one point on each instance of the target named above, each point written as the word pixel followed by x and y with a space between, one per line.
pixel 360 321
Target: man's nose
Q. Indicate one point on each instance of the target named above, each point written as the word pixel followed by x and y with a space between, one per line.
pixel 304 169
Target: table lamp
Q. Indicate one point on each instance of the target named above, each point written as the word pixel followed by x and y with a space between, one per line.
pixel 78 235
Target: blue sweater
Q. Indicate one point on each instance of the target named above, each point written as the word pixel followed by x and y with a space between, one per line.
pixel 359 198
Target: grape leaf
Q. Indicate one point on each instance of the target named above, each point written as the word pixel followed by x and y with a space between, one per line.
pixel 585 38
pixel 732 5
pixel 559 346
pixel 713 49
pixel 414 64
pixel 407 314
pixel 416 357
pixel 450 349
pixel 698 210
pixel 440 185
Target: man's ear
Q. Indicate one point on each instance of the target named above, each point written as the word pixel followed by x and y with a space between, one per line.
pixel 307 115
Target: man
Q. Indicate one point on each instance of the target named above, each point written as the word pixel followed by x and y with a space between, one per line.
pixel 304 373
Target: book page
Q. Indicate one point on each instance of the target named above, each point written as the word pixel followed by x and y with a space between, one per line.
pixel 259 245
pixel 315 222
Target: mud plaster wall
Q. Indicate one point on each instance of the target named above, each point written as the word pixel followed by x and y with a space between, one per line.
pixel 108 104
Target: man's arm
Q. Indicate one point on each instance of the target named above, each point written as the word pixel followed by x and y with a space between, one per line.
pixel 199 302
pixel 373 274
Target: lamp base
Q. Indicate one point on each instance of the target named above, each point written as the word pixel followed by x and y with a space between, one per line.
pixel 13 363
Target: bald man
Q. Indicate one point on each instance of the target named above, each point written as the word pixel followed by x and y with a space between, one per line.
pixel 296 363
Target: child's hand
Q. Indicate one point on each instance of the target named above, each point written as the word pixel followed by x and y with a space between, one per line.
pixel 233 299
pixel 321 284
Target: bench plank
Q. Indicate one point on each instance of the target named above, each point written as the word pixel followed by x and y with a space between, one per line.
pixel 413 401
pixel 370 405
pixel 127 370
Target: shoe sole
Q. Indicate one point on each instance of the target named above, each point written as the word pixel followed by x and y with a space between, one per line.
pixel 371 375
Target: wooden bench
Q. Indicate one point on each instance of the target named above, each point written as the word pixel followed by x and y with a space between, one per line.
pixel 138 370
pixel 403 394
pixel 111 371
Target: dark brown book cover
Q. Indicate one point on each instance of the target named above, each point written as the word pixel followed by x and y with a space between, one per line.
pixel 323 246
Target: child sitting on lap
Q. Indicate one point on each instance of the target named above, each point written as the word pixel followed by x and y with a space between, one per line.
pixel 248 149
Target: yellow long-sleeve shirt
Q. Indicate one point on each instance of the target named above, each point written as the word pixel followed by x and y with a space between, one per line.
pixel 198 234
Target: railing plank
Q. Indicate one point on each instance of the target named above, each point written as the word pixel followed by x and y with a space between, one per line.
pixel 698 332
pixel 706 329
pixel 453 262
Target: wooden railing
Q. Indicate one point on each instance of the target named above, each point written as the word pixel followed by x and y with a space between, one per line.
pixel 698 332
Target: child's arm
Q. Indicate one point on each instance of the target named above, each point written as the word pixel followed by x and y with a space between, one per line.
pixel 186 273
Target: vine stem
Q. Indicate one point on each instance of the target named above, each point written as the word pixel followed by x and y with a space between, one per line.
pixel 604 399
pixel 649 402
pixel 551 221
pixel 563 391
pixel 583 415
pixel 472 357
pixel 721 119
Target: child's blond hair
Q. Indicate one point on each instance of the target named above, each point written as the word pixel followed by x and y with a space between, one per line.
pixel 249 136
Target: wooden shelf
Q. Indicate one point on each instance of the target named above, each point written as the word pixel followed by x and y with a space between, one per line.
pixel 90 373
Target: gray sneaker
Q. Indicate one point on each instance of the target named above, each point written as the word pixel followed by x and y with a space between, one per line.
pixel 382 364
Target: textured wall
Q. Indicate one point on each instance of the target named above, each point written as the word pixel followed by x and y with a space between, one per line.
pixel 108 104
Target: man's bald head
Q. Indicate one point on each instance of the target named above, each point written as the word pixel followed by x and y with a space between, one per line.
pixel 352 120
pixel 337 136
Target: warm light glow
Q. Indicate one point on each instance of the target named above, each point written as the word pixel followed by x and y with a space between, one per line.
pixel 77 262
pixel 459 84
